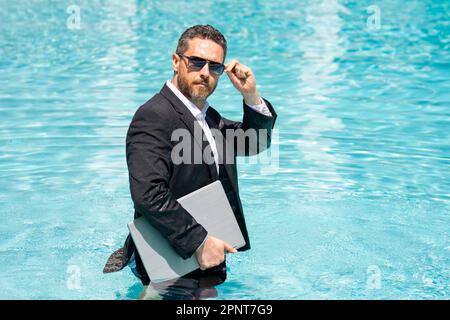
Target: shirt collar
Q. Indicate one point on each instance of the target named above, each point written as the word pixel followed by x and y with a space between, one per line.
pixel 196 112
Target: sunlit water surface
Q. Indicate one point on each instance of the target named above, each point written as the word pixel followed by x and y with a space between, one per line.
pixel 357 205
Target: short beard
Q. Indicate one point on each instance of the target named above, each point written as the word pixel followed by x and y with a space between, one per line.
pixel 201 94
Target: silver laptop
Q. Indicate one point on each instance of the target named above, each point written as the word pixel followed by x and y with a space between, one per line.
pixel 210 207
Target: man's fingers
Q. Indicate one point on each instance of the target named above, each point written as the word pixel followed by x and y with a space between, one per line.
pixel 230 65
pixel 229 248
pixel 236 79
pixel 239 70
pixel 242 73
pixel 233 78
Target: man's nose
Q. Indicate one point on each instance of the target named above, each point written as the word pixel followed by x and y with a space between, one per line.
pixel 204 72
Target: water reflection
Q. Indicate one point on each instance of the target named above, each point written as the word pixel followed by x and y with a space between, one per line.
pixel 193 286
pixel 317 85
pixel 368 116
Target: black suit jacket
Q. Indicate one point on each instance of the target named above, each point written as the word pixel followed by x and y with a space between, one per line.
pixel 156 181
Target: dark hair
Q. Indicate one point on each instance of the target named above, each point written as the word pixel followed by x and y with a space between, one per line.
pixel 203 32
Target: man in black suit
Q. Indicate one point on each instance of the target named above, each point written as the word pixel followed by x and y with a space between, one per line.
pixel 158 178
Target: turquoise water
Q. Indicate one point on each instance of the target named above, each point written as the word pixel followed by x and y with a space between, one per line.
pixel 358 206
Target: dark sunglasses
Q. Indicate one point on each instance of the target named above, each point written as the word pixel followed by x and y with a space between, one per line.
pixel 197 64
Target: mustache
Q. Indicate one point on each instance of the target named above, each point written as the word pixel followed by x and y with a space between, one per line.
pixel 202 82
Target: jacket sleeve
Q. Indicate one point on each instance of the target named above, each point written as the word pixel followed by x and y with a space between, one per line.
pixel 254 134
pixel 148 150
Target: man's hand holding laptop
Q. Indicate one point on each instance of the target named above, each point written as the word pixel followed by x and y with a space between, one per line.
pixel 212 252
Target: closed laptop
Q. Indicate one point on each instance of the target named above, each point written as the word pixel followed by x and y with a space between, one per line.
pixel 210 207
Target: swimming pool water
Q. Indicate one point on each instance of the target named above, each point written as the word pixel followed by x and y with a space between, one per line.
pixel 358 206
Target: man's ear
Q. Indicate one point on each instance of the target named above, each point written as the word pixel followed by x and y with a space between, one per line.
pixel 175 62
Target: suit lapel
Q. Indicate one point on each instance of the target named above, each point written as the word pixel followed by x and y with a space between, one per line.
pixel 191 123
pixel 185 115
pixel 215 123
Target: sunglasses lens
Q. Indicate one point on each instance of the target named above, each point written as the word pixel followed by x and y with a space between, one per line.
pixel 216 68
pixel 198 64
